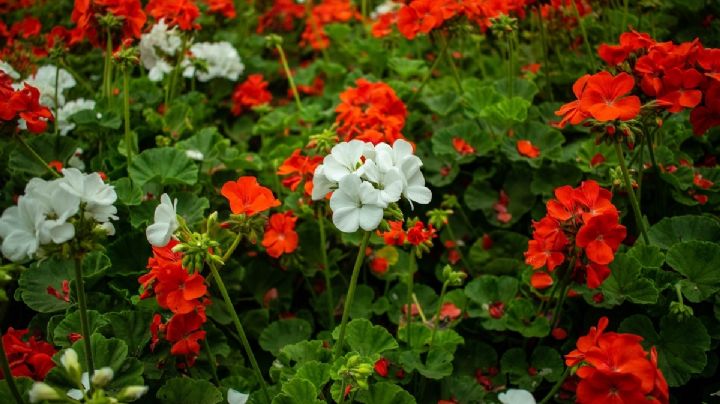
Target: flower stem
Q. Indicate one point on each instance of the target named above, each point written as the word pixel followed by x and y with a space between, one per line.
pixel 326 267
pixel 351 293
pixel 436 320
pixel 57 103
pixel 82 307
pixel 211 359
pixel 556 387
pixel 170 90
pixel 584 32
pixel 434 65
pixel 239 328
pixel 107 79
pixel 232 247
pixel 289 75
pixel 36 156
pixel 410 282
pixel 8 375
pixel 126 111
pixel 631 193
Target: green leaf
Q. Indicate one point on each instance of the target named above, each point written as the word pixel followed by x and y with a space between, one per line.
pixel 165 165
pixel 191 207
pixel 699 261
pixel 71 324
pixel 442 104
pixel 49 147
pixel 385 393
pixel 437 365
pixel 284 332
pixel 131 327
pixel 305 351
pixel 362 304
pixel 128 193
pixel 488 289
pixel 407 68
pixel 626 283
pixel 297 391
pixel 24 384
pixel 185 390
pixel 367 339
pixel 34 282
pixel 649 256
pixel 672 230
pixel 507 112
pixel 681 344
pixel 468 131
pixel 316 372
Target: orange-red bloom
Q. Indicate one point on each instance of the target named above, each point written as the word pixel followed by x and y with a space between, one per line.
pixel 606 97
pixel 422 16
pixel 462 147
pixel 527 149
pixel 85 16
pixel 371 112
pixel 298 168
pixel 226 8
pixel 396 234
pixel 280 236
pixel 248 197
pixel 601 236
pixel 180 13
pixel 27 358
pixel 250 93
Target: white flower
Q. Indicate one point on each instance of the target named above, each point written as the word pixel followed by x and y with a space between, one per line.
pixel 77 394
pixel 59 207
pixel 42 392
pixel 356 203
pixel 44 81
pixel 108 228
pixel 68 110
pixel 391 182
pixel 75 161
pixel 160 232
pixel 132 393
pixel 90 188
pixel 221 59
pixel 157 45
pixel 516 396
pixel 344 158
pixel 321 184
pixel 400 156
pixel 236 397
pixel 388 6
pixel 20 228
pixel 102 376
pixel 4 66
pixel 194 154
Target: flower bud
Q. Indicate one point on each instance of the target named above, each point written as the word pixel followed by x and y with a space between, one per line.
pixel 69 360
pixel 131 393
pixel 102 376
pixel 42 392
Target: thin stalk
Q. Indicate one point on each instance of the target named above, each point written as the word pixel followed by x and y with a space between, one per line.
pixel 84 323
pixel 289 75
pixel 508 42
pixel 651 149
pixel 584 32
pixel 410 283
pixel 326 267
pixel 626 6
pixel 126 111
pixel 556 387
pixel 36 156
pixel 436 320
pixel 107 74
pixel 239 328
pixel 8 375
pixel 342 392
pixel 455 239
pixel 456 73
pixel 631 194
pixel 170 90
pixel 211 359
pixel 57 104
pixel 546 59
pixel 564 283
pixel 429 74
pixel 351 293
pixel 232 247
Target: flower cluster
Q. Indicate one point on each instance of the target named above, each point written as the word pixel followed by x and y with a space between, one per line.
pixel 180 13
pixel 298 168
pixel 418 234
pixel 184 294
pixel 87 15
pixel 614 367
pixel 324 13
pixel 23 104
pixel 226 8
pixel 69 109
pixel 50 212
pixel 156 47
pixel 248 197
pixel 44 80
pixel 579 220
pixel 365 179
pixel 281 15
pixel 218 60
pixel 280 236
pixel 371 112
pixel 250 93
pixel 27 358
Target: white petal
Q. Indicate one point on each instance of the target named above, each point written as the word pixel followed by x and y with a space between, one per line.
pixel 158 234
pixel 419 194
pixel 370 217
pixel 346 219
pixel 516 396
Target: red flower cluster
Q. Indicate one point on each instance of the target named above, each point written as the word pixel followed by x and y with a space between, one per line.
pixel 281 15
pixel 250 93
pixel 371 112
pixel 614 368
pixel 181 13
pixel 578 220
pixel 86 14
pixel 280 236
pixel 462 147
pixel 248 197
pixel 184 294
pixel 418 234
pixel 22 104
pixel 298 168
pixel 226 8
pixel 31 358
pixel 563 11
pixel 324 13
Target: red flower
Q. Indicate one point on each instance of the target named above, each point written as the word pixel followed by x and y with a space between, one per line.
pixel 701 182
pixel 280 236
pixel 527 149
pixel 419 234
pixel 179 292
pixel 422 16
pixel 546 252
pixel 326 12
pixel 496 310
pixel 381 367
pixel 248 197
pixel 629 43
pixel 25 104
pixel 449 311
pixel 29 358
pixel 226 8
pixel 85 15
pixel 183 330
pixel 462 147
pixel 181 13
pixel 571 112
pixel 298 168
pixel 281 15
pixel 371 112
pixel 379 265
pixel 396 234
pixel 382 27
pixel 600 237
pixel 541 280
pixel 250 93
pixel 605 97
pixel 707 115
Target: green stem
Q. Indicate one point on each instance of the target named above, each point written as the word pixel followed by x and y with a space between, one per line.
pixel 170 90
pixel 107 74
pixel 232 248
pixel 36 156
pixel 239 328
pixel 651 149
pixel 8 375
pixel 57 103
pixel 342 392
pixel 289 75
pixel 564 283
pixel 456 73
pixel 351 293
pixel 82 307
pixel 429 73
pixel 584 32
pixel 546 59
pixel 326 267
pixel 508 42
pixel 556 387
pixel 211 359
pixel 410 283
pixel 436 319
pixel 455 239
pixel 631 194
pixel 126 110
pixel 626 6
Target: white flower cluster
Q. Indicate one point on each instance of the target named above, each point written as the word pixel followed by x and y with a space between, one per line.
pixel 156 47
pixel 44 81
pixel 220 58
pixel 68 110
pixel 42 215
pixel 366 179
pixel 387 7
